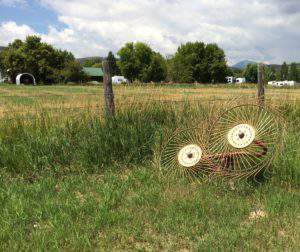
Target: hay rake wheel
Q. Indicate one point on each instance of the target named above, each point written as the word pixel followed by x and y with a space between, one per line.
pixel 185 154
pixel 244 141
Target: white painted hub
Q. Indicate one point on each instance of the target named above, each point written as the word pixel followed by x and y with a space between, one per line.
pixel 241 136
pixel 190 155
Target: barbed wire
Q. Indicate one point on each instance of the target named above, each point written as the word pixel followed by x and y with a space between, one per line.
pixel 120 100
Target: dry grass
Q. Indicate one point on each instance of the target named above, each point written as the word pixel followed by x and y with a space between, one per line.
pixel 25 98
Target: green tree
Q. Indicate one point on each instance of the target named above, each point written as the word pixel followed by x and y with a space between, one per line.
pixel 113 64
pixel 128 62
pixel 137 62
pixel 294 73
pixel 97 65
pixel 73 72
pixel 157 69
pixel 236 72
pixel 269 73
pixel 250 73
pixel 179 71
pixel 274 73
pixel 284 71
pixel 198 62
pixel 92 62
pixel 35 57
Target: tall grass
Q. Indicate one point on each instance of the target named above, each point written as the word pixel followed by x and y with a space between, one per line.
pixel 134 208
pixel 65 141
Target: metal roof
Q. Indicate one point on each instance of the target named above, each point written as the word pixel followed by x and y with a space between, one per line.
pixel 93 71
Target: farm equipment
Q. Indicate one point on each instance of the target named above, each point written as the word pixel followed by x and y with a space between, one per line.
pixel 239 143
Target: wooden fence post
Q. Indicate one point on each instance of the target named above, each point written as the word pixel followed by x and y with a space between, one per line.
pixel 260 85
pixel 108 90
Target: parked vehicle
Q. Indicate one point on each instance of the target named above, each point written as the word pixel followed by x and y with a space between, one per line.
pixel 119 80
pixel 240 80
pixel 232 80
pixel 282 83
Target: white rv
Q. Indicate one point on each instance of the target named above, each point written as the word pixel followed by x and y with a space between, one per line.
pixel 240 80
pixel 282 83
pixel 230 79
pixel 119 80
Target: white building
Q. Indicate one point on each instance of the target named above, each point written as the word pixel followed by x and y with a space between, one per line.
pixel 230 79
pixel 282 83
pixel 25 78
pixel 119 80
pixel 3 79
pixel 240 80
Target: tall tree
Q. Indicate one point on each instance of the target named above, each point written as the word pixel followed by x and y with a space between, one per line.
pixel 73 72
pixel 113 64
pixel 284 71
pixel 269 73
pixel 199 62
pixel 294 73
pixel 137 62
pixel 157 69
pixel 35 57
pixel 274 73
pixel 250 73
pixel 128 62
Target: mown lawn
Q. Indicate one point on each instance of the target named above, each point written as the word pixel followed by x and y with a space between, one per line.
pixel 72 181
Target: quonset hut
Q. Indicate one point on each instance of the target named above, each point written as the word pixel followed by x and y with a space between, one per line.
pixel 26 79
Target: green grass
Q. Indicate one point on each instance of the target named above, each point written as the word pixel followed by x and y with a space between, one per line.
pixel 137 209
pixel 73 181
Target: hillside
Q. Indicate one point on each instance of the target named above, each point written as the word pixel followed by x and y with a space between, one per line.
pixel 242 64
pixel 82 60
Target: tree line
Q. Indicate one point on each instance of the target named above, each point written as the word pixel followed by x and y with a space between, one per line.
pixel 192 62
pixel 271 73
pixel 46 63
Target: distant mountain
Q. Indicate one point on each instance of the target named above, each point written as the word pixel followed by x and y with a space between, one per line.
pixel 243 64
pixel 275 66
pixel 82 60
pixel 2 48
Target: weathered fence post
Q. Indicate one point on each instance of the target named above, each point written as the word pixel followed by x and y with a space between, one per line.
pixel 260 85
pixel 108 90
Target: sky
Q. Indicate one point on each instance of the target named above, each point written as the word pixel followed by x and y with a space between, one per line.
pixel 259 30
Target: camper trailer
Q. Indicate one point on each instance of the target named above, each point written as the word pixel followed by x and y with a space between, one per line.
pixel 240 80
pixel 230 79
pixel 282 83
pixel 119 80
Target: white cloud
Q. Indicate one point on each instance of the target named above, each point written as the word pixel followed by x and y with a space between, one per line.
pixel 10 31
pixel 265 30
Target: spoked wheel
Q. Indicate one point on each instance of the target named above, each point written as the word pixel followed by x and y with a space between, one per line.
pixel 244 140
pixel 185 154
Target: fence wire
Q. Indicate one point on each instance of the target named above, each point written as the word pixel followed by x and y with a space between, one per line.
pixel 125 99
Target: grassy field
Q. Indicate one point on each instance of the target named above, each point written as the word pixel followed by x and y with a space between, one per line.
pixel 24 98
pixel 72 181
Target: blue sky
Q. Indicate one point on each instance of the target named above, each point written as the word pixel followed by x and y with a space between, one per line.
pixel 260 30
pixel 31 13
